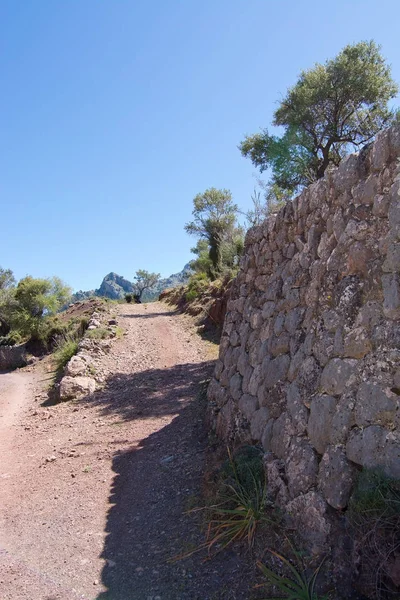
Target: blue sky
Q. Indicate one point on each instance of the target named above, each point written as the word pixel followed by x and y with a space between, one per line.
pixel 116 113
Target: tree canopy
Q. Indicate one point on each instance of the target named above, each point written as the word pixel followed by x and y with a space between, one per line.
pixel 145 281
pixel 36 299
pixel 7 284
pixel 214 221
pixel 332 108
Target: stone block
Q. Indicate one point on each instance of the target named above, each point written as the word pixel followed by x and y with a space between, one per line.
pixel 369 315
pixel 308 516
pixel 394 141
pixel 337 375
pixel 296 409
pixel 358 259
pixel 392 262
pixel 324 347
pixel 331 320
pixel 381 206
pixel 391 295
pixel 225 424
pixel 392 456
pixel 279 344
pixel 336 477
pixel 394 208
pixel 365 191
pixel 322 411
pixel 301 467
pixel 235 386
pixel 255 380
pixel 375 405
pixel 357 343
pixel 275 370
pixel 366 447
pixel 380 151
pixel 308 379
pixel 343 420
pixel 277 488
pixel 76 366
pixel 282 432
pixel 258 422
pixel 268 309
pixel 293 320
pixel 279 323
pixel 266 436
pixel 295 364
pixel 248 405
pixel 346 175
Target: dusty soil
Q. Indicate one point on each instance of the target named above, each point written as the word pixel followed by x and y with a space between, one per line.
pixel 94 492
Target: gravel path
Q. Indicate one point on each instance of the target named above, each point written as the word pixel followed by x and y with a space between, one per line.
pixel 93 492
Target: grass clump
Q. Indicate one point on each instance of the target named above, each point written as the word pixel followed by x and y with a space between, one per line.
pixel 119 332
pixel 240 504
pixel 297 584
pixel 98 334
pixel 375 496
pixel 66 348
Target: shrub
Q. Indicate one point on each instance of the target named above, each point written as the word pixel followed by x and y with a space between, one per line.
pixel 83 325
pixel 197 284
pixel 129 298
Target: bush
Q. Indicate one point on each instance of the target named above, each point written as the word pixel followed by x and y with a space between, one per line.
pixel 129 298
pixel 197 284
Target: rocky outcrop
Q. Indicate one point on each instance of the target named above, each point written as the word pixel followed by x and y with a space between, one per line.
pixel 115 287
pixel 309 362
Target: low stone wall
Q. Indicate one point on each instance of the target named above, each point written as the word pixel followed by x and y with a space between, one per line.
pixel 12 357
pixel 309 361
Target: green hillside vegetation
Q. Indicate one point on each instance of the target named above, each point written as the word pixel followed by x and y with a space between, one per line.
pixel 29 313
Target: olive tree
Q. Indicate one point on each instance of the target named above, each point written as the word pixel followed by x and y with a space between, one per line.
pixel 143 280
pixel 333 108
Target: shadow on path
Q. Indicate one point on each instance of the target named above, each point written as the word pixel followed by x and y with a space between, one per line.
pixel 151 393
pixel 154 484
pixel 167 313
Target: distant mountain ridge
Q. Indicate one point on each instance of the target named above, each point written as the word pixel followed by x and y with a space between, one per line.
pixel 115 286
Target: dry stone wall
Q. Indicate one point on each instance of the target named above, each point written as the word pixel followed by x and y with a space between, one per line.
pixel 309 361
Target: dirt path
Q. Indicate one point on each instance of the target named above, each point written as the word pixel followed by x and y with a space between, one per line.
pixel 93 492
